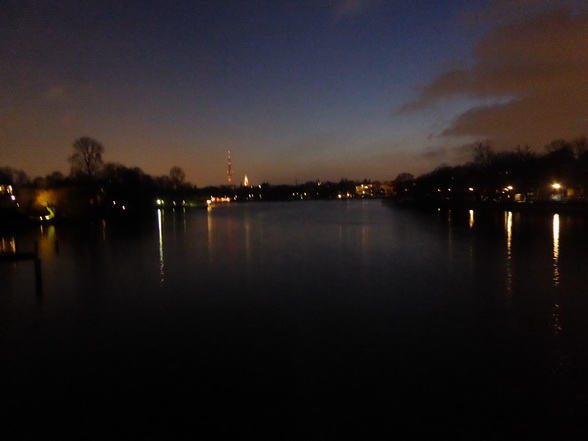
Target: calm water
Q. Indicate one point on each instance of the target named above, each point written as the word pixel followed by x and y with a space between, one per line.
pixel 309 320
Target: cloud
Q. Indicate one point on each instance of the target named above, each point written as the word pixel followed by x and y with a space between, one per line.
pixel 448 154
pixel 533 70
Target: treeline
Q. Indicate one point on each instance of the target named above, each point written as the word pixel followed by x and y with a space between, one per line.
pixel 87 167
pixel 114 175
pixel 521 175
pixel 310 190
pixel 115 190
pixel 95 189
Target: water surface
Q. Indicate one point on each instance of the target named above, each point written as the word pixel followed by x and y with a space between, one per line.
pixel 309 320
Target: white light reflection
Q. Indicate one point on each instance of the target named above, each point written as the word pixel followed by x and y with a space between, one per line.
pixel 161 261
pixel 471 218
pixel 209 231
pixel 555 249
pixel 508 227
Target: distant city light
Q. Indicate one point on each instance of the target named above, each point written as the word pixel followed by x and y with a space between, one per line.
pixel 556 185
pixel 213 200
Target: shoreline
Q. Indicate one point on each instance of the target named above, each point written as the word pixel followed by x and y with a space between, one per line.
pixel 565 207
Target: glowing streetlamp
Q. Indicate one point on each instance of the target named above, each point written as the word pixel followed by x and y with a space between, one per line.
pixel 557 196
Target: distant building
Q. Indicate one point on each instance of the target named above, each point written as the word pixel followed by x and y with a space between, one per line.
pixel 7 198
pixel 6 189
pixel 365 190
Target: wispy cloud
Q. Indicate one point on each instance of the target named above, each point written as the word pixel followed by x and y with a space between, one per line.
pixel 534 67
pixel 448 154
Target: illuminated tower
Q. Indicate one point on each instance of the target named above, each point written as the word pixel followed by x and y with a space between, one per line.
pixel 229 170
pixel 246 181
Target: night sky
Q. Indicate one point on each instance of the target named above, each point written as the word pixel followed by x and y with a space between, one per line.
pixel 295 89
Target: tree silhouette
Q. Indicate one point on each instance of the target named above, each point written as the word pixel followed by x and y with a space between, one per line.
pixel 483 153
pixel 86 160
pixel 9 175
pixel 177 176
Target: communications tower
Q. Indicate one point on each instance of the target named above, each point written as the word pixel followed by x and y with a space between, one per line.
pixel 229 169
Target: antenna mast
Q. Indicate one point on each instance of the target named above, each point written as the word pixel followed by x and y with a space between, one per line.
pixel 229 170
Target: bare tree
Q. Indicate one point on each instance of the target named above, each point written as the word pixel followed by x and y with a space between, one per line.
pixel 87 157
pixel 9 175
pixel 483 153
pixel 177 176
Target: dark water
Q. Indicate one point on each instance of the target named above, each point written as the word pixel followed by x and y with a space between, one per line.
pixel 311 320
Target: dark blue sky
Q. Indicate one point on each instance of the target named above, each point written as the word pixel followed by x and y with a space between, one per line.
pixel 297 90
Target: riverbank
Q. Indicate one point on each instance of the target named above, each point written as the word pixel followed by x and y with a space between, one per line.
pixel 567 207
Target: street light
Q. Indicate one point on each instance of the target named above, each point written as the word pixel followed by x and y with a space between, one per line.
pixel 557 196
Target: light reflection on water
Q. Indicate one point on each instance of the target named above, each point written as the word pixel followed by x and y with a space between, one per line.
pixel 47 243
pixel 556 315
pixel 284 308
pixel 556 249
pixel 508 226
pixel 7 244
pixel 160 214
pixel 209 230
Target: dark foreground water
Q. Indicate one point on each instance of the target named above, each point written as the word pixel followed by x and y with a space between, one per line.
pixel 299 321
